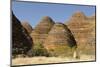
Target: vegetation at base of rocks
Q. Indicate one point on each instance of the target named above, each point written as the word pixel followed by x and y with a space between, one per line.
pixel 38 50
pixel 62 51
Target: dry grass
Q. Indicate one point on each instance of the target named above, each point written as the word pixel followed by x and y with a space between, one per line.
pixel 43 60
pixel 86 54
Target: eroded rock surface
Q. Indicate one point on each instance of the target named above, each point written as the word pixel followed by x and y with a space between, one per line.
pixel 21 40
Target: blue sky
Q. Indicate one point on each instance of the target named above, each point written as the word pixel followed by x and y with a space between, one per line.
pixel 33 11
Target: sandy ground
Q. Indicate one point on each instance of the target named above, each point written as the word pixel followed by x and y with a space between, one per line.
pixel 43 60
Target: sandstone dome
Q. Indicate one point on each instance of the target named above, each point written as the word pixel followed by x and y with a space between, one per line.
pixel 21 40
pixel 59 40
pixel 79 15
pixel 83 31
pixel 44 25
pixel 27 26
pixel 40 32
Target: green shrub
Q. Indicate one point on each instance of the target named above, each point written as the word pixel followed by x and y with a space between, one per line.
pixel 38 50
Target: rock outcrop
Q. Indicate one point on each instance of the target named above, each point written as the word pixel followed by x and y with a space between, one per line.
pixel 55 39
pixel 83 29
pixel 21 41
pixel 60 40
pixel 40 32
pixel 27 26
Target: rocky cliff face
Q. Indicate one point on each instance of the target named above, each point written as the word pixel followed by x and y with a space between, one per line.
pixel 27 26
pixel 21 41
pixel 40 32
pixel 60 40
pixel 83 29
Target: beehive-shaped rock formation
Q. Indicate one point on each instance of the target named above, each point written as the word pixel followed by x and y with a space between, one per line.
pixel 41 30
pixel 60 40
pixel 27 26
pixel 83 29
pixel 21 41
